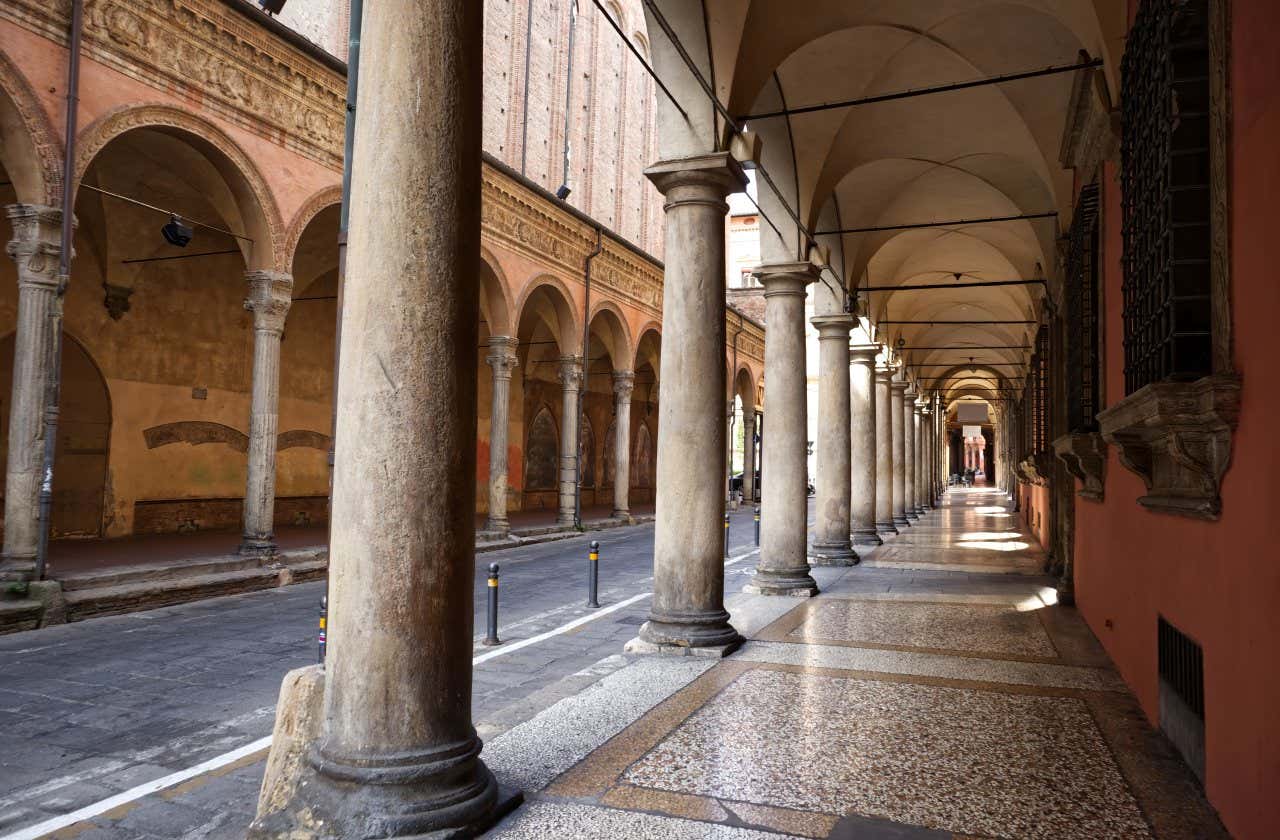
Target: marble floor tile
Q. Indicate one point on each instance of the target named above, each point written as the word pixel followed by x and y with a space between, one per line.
pixel 565 821
pixel 962 760
pixel 963 627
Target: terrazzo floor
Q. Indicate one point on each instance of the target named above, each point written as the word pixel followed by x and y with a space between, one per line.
pixel 937 690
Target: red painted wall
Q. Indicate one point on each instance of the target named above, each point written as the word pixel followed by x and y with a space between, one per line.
pixel 1035 511
pixel 1217 581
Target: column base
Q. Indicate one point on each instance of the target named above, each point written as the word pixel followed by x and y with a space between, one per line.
pixel 639 646
pixel 563 521
pixel 865 536
pixel 792 583
pixel 17 568
pixel 900 521
pixel 261 548
pixel 499 528
pixel 832 554
pixel 912 516
pixel 887 528
pixel 445 793
pixel 690 631
pixel 624 516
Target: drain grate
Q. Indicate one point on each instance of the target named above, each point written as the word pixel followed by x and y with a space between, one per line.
pixel 1181 666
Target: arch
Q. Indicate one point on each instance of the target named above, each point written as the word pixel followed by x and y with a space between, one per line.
pixel 495 300
pixel 253 197
pixel 84 437
pixel 27 133
pixel 612 333
pixel 548 299
pixel 649 346
pixel 320 200
pixel 542 452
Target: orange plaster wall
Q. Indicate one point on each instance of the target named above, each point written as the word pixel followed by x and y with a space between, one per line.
pixel 1035 510
pixel 1217 581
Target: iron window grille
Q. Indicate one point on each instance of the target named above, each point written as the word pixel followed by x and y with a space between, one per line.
pixel 1082 314
pixel 1040 392
pixel 1165 174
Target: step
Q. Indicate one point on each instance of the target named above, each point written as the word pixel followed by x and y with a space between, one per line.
pixel 165 591
pixel 19 614
pixel 150 572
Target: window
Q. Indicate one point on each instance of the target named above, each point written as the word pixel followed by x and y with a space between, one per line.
pixel 1166 176
pixel 1035 399
pixel 1082 314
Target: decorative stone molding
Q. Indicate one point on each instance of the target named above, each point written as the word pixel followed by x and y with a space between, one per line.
pixel 36 244
pixel 303 439
pixel 270 295
pixel 1176 436
pixel 319 200
pixel 44 139
pixel 570 373
pixel 1091 134
pixel 624 384
pixel 202 49
pixel 1034 469
pixel 195 433
pixel 1085 456
pixel 115 299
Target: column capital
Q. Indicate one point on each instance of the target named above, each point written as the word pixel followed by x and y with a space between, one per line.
pixel 884 374
pixel 831 327
pixel 37 243
pixel 716 172
pixel 624 383
pixel 863 354
pixel 502 355
pixel 789 278
pixel 570 372
pixel 899 385
pixel 270 296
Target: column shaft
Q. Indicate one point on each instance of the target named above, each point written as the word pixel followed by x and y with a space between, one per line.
pixel 783 567
pixel 270 294
pixel 831 545
pixel 571 380
pixel 897 388
pixel 884 452
pixel 748 454
pixel 909 454
pixel 624 382
pixel 36 250
pixel 398 755
pixel 862 445
pixel 502 360
pixel 688 561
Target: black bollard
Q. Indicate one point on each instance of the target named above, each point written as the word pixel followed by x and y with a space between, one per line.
pixel 726 536
pixel 593 575
pixel 491 638
pixel 324 615
pixel 757 518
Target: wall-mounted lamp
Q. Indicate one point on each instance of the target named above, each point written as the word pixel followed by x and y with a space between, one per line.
pixel 177 233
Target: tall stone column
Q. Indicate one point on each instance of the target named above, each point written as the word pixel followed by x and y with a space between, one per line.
pixel 926 456
pixel 884 452
pixel 897 390
pixel 909 453
pixel 624 382
pixel 270 294
pixel 571 379
pixel 783 567
pixel 917 443
pixel 728 452
pixel 36 250
pixel 831 546
pixel 502 361
pixel 748 454
pixel 397 754
pixel 862 445
pixel 688 552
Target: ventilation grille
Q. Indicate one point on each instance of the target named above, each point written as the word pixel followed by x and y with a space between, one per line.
pixel 1182 667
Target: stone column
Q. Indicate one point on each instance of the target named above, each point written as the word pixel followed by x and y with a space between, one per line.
pixel 909 453
pixel 688 552
pixel 624 382
pixel 897 389
pixel 884 452
pixel 397 754
pixel 831 546
pixel 917 461
pixel 570 389
pixel 862 445
pixel 502 361
pixel 783 567
pixel 748 454
pixel 270 294
pixel 36 250
pixel 728 452
pixel 926 457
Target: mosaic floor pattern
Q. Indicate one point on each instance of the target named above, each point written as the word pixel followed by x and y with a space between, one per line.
pixel 977 762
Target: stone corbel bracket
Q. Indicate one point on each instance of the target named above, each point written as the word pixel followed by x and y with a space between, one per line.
pixel 1033 470
pixel 1176 436
pixel 1085 454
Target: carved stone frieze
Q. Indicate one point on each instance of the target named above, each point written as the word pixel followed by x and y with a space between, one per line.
pixel 1085 456
pixel 1176 436
pixel 1091 134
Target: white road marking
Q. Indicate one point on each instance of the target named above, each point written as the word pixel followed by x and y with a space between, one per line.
pixel 217 762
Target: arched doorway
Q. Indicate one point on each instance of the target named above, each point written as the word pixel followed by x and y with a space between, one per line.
pixel 84 435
